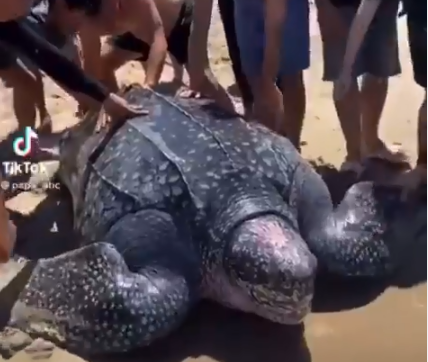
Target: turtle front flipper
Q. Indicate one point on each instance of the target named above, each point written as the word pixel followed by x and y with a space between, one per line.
pixel 112 296
pixel 367 234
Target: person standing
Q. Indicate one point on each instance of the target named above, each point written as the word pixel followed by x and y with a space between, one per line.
pixel 354 48
pixel 273 39
pixel 417 25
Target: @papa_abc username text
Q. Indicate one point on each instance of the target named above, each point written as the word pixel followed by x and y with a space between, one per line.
pixel 27 186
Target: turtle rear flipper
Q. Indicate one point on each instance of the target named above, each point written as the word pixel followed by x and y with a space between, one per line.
pixel 112 296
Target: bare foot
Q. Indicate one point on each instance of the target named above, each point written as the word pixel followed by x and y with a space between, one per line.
pixel 392 154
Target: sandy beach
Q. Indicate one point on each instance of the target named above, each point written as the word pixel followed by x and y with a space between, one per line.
pixel 350 323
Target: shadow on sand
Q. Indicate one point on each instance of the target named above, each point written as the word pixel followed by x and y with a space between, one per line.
pixel 211 331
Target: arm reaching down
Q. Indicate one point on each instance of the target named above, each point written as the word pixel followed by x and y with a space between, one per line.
pixel 198 39
pixel 275 13
pixel 90 43
pixel 359 28
pixel 159 46
pixel 201 76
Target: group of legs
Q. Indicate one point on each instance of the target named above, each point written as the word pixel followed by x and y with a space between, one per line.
pixel 360 109
pixel 372 54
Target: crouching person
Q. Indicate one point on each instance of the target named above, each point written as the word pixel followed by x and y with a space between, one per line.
pixel 146 30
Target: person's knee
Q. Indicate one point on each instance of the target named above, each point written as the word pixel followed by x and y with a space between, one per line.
pixel 293 84
pixel 370 80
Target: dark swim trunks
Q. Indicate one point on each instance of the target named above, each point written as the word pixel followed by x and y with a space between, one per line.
pixel 178 39
pixel 38 21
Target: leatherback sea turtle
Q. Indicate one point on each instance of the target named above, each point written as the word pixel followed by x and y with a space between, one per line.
pixel 190 203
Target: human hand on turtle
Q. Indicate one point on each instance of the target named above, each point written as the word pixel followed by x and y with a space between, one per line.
pixel 116 108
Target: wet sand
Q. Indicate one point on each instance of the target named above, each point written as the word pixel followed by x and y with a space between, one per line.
pixel 350 323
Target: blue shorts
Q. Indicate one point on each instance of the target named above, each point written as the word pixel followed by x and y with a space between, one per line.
pixel 295 44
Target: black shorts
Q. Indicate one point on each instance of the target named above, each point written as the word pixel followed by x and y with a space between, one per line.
pixel 178 39
pixel 418 51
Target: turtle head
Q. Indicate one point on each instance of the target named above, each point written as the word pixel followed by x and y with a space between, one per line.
pixel 270 263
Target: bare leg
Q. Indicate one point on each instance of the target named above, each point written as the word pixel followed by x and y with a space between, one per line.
pixel 422 133
pixel 226 8
pixel 45 118
pixel 8 231
pixel 373 96
pixel 25 94
pixel 411 181
pixel 178 70
pixel 294 103
pixel 349 113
